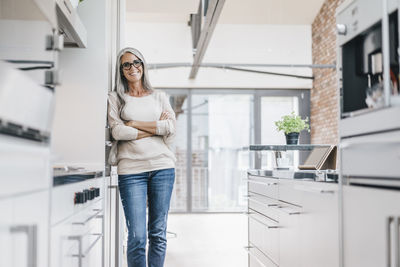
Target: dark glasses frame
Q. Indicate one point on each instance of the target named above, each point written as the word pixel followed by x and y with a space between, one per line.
pixel 128 65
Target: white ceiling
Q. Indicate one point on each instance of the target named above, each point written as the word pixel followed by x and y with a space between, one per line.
pixel 234 11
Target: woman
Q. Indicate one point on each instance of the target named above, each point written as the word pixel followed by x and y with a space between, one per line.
pixel 143 122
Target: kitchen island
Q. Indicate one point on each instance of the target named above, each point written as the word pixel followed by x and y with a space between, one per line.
pixel 293 218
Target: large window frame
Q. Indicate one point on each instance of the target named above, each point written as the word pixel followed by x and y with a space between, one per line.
pixel 255 122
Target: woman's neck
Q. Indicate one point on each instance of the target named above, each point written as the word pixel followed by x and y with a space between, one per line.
pixel 136 89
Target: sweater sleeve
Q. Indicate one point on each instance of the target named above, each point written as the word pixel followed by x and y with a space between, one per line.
pixel 119 130
pixel 166 127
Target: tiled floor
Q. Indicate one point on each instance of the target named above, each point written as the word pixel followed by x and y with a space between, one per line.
pixel 207 240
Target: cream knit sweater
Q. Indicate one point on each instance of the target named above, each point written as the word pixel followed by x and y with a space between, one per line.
pixel 146 154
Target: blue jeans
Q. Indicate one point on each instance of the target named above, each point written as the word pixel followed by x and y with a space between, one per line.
pixel 153 188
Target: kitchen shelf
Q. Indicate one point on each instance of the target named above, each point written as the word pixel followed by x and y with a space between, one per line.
pixel 70 25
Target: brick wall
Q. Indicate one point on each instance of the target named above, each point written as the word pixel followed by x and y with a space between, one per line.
pixel 324 94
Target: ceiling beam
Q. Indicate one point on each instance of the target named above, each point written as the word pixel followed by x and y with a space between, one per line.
pixel 213 13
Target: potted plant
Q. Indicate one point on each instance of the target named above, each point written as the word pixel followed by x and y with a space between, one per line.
pixel 292 125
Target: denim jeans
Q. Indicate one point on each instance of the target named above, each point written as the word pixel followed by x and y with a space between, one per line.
pixel 153 188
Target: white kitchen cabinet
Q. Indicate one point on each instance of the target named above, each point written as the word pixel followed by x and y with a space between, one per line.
pixel 24 230
pixel 6 223
pixel 370 226
pixel 293 223
pixel 31 229
pixel 318 225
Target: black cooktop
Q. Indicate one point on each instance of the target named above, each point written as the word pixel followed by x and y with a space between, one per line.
pixel 62 176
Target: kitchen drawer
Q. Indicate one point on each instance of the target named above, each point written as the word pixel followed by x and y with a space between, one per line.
pixel 259 259
pixel 78 241
pixel 289 193
pixel 264 234
pixel 376 155
pixel 263 186
pixel 264 205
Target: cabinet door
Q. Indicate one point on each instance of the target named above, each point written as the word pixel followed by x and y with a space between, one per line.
pixel 319 225
pixel 6 218
pixel 31 229
pixel 369 233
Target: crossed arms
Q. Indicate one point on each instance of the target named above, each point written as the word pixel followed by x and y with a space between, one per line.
pixel 148 128
pixel 134 130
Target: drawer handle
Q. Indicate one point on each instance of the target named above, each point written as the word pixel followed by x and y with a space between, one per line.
pixel 91 217
pixel 254 256
pixel 249 214
pixel 263 183
pixel 389 222
pixel 392 238
pixel 314 190
pixel 262 203
pixel 31 232
pixel 81 254
pixel 286 210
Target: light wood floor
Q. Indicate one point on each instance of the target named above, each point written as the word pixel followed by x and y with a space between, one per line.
pixel 207 240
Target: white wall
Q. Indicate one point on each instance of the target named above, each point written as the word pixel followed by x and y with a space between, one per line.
pixel 80 112
pixel 231 43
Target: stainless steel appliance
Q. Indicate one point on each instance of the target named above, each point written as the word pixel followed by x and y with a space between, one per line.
pixel 368 72
pixel 368 65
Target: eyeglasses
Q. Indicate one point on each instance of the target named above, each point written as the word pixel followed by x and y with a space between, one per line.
pixel 128 65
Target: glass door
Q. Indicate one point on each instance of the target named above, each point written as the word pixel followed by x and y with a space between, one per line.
pixel 221 131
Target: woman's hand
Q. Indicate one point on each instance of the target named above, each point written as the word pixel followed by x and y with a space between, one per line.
pixel 165 115
pixel 130 123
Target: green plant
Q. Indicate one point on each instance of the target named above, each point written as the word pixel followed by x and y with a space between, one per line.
pixel 292 124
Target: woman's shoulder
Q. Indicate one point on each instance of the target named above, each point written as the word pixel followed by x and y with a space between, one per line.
pixel 159 94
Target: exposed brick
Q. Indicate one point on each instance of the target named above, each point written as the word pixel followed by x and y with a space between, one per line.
pixel 324 94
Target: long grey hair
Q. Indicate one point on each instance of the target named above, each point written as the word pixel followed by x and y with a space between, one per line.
pixel 121 84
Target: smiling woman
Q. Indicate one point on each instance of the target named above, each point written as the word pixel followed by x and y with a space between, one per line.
pixel 143 122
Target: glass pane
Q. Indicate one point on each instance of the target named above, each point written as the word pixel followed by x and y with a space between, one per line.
pixel 220 135
pixel 272 109
pixel 179 194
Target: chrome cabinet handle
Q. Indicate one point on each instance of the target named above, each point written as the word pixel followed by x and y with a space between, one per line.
pixel 263 183
pixel 31 232
pixel 286 210
pixel 82 254
pixel 392 238
pixel 313 190
pixel 269 226
pixel 397 241
pixel 262 203
pixel 254 256
pixel 96 215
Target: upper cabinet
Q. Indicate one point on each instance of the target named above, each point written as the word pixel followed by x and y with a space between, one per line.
pixel 37 10
pixel 70 25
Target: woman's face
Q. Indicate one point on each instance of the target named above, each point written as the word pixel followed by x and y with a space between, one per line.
pixel 132 67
